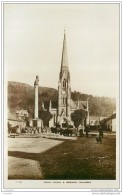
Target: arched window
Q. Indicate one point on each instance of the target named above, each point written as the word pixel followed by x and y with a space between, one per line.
pixel 64 100
pixel 64 83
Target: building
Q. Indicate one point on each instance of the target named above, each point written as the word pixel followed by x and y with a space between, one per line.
pixel 94 122
pixel 110 123
pixel 22 114
pixel 13 121
pixel 65 104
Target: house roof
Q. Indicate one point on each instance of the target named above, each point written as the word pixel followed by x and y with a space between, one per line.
pixel 22 112
pixel 113 116
pixel 13 117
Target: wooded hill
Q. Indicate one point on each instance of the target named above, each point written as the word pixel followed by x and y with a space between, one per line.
pixel 21 96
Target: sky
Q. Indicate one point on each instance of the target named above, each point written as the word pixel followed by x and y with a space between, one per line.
pixel 33 41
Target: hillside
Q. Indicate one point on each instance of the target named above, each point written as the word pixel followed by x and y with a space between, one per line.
pixel 21 96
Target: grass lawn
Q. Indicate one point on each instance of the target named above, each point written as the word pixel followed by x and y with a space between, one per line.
pixel 72 159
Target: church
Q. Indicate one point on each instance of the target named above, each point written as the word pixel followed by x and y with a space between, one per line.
pixel 66 105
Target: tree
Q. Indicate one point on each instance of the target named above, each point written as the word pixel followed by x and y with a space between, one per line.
pixel 78 117
pixel 45 116
pixel 103 124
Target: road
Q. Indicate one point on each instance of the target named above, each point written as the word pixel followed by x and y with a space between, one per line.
pixel 20 162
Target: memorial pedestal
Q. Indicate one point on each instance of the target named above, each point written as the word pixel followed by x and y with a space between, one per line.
pixel 38 123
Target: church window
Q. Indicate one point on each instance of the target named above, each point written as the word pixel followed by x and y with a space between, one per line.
pixel 64 100
pixel 64 83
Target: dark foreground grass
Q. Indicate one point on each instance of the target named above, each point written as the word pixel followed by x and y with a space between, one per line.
pixel 81 159
pixel 76 159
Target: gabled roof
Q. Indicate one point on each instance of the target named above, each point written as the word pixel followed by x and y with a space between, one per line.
pixel 22 112
pixel 78 104
pixel 113 116
pixel 14 118
pixel 83 105
pixel 73 104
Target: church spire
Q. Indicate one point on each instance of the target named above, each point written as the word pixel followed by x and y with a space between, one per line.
pixel 64 61
pixel 64 89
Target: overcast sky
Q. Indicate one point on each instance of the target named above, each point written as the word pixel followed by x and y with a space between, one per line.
pixel 33 41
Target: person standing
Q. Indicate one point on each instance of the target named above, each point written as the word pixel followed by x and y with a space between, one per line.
pixel 87 129
pixel 100 131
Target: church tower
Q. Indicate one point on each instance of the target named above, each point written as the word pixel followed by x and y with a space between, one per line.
pixel 64 88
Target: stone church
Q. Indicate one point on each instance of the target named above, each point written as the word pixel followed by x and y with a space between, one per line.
pixel 65 104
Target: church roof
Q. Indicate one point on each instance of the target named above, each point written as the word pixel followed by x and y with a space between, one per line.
pixel 73 104
pixel 78 104
pixel 82 104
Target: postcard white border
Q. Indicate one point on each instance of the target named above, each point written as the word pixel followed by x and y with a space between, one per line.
pixel 24 185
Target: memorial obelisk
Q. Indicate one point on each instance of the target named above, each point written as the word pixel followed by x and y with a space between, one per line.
pixel 36 120
pixel 36 85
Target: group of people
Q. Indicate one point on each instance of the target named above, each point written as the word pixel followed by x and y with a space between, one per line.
pixel 87 130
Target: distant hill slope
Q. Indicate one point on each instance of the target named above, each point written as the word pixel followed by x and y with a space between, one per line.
pixel 21 96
